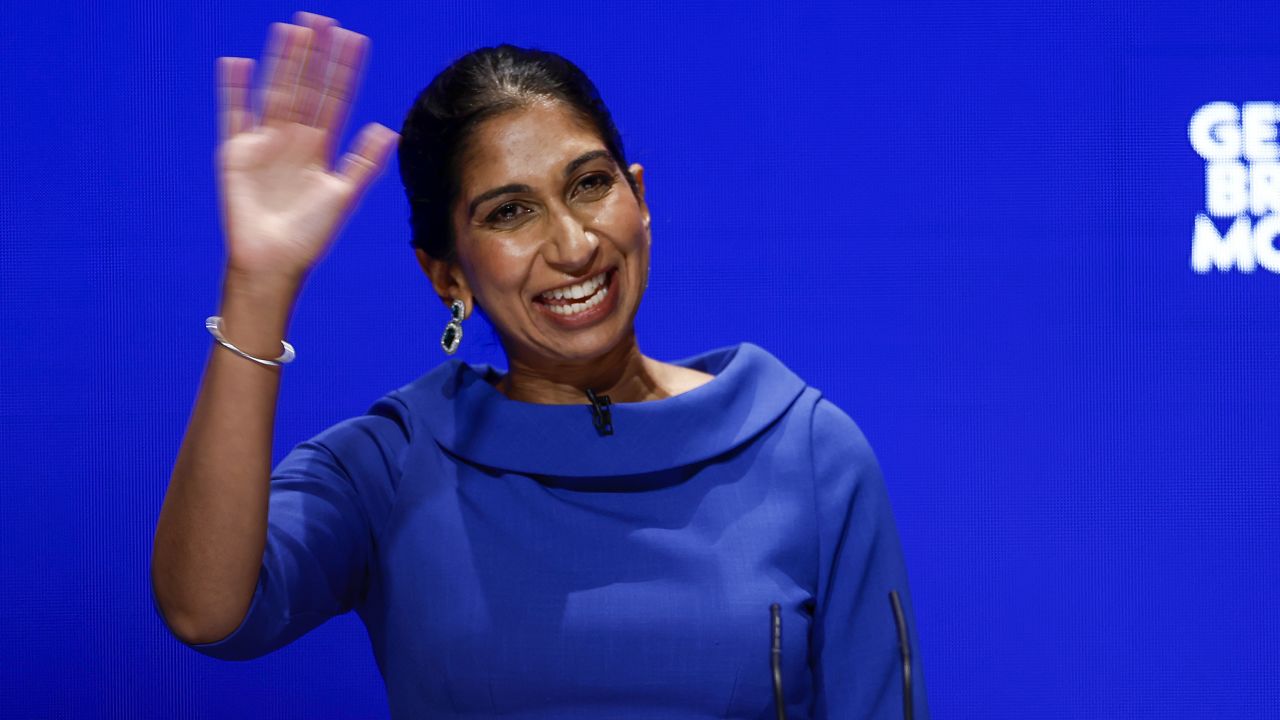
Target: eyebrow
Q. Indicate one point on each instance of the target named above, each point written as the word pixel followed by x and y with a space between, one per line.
pixel 573 165
pixel 583 159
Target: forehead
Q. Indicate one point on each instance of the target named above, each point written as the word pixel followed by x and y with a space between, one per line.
pixel 525 145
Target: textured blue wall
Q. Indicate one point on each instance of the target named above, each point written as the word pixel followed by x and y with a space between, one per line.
pixel 970 224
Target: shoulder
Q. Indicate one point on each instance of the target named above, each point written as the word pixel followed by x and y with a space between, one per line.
pixel 356 464
pixel 838 451
pixel 389 414
pixel 407 411
pixel 377 437
pixel 845 468
pixel 836 436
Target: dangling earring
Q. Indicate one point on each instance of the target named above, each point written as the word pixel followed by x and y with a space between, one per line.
pixel 453 331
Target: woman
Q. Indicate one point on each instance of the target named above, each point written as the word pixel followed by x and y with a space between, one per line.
pixel 593 533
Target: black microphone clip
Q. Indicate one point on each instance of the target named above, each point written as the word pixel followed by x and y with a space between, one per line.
pixel 600 412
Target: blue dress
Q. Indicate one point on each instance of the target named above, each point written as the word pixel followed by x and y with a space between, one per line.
pixel 509 560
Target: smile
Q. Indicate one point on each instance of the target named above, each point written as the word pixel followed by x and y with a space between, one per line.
pixel 576 298
pixel 582 303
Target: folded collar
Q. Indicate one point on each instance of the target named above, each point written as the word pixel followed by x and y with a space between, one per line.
pixel 472 419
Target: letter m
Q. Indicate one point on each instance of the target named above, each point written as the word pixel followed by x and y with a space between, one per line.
pixel 1210 250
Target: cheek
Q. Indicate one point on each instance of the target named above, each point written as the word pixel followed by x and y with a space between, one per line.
pixel 500 266
pixel 622 217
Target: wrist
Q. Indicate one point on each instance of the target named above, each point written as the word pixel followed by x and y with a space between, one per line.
pixel 256 286
pixel 256 310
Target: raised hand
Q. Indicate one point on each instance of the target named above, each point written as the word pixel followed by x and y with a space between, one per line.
pixel 283 200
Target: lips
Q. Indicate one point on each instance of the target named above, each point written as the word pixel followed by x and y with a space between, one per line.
pixel 575 313
pixel 600 280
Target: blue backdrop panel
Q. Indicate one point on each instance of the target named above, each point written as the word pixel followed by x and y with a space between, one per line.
pixel 973 225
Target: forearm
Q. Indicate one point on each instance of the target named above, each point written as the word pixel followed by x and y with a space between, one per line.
pixel 212 528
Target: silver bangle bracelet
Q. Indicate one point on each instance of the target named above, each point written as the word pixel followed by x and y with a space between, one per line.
pixel 214 324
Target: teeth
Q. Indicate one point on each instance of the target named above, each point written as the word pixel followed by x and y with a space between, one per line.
pixel 575 292
pixel 575 308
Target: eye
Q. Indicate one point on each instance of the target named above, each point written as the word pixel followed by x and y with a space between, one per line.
pixel 595 184
pixel 507 213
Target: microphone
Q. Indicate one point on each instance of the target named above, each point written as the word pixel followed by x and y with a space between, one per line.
pixel 600 415
pixel 904 647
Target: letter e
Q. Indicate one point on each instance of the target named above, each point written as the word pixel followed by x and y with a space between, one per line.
pixel 1259 124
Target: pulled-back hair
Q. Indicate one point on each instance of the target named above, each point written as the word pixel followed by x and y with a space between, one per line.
pixel 478 86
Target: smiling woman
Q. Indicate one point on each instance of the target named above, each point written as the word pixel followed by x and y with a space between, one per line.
pixel 543 207
pixel 591 533
pixel 519 187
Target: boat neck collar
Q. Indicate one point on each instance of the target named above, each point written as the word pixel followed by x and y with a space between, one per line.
pixel 473 420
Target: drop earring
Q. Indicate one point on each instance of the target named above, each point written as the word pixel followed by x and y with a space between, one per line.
pixel 453 331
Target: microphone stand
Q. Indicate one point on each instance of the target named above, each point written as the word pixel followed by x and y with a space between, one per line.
pixel 904 649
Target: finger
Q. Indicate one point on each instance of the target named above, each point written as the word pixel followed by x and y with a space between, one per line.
pixel 287 49
pixel 312 20
pixel 348 53
pixel 315 69
pixel 234 80
pixel 368 156
pixel 302 17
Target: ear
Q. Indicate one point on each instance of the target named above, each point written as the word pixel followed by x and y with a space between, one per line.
pixel 637 171
pixel 447 280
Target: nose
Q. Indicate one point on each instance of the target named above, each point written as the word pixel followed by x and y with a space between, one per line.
pixel 573 247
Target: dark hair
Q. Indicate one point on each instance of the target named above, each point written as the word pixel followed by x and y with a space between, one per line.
pixel 476 87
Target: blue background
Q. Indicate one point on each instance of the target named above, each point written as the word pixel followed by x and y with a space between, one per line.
pixel 969 224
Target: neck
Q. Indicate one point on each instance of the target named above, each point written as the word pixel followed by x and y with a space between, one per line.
pixel 623 373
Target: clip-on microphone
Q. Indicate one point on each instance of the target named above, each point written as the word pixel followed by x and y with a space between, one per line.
pixel 600 412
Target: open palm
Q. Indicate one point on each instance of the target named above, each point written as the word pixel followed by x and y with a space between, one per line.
pixel 283 200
